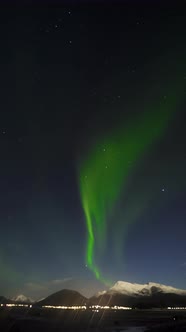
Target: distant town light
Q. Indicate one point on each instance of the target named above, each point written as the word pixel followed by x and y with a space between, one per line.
pixel 94 308
pixel 17 305
pixel 176 308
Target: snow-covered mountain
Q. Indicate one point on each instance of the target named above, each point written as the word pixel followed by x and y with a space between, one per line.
pixel 22 299
pixel 150 295
pixel 130 289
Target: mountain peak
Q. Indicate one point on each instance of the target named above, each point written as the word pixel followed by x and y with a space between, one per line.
pixel 64 297
pixel 22 299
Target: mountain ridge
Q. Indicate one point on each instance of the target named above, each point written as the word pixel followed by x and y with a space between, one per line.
pixel 143 289
pixel 122 293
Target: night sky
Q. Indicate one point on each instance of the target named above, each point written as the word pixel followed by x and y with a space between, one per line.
pixel 72 76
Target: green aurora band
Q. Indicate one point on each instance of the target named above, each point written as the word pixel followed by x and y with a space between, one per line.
pixel 105 172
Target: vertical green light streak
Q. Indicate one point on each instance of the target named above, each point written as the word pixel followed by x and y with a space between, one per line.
pixel 106 169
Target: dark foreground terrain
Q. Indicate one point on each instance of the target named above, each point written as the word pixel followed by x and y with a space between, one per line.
pixel 52 320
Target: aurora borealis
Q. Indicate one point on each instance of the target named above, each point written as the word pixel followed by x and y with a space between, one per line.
pixel 106 171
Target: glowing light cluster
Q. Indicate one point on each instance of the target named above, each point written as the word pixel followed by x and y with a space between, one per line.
pixel 176 308
pixel 17 305
pixel 99 307
pixel 109 307
pixel 65 307
pixel 120 308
